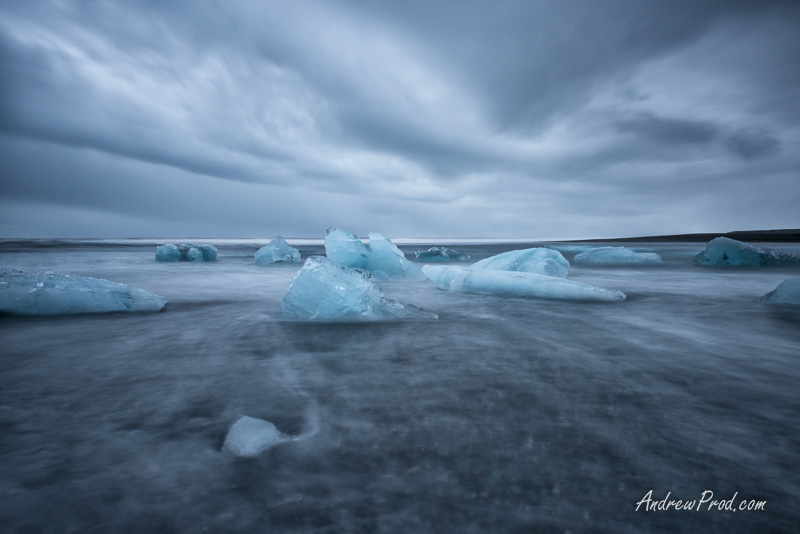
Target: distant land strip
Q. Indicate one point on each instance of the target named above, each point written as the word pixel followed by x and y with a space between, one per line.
pixel 787 235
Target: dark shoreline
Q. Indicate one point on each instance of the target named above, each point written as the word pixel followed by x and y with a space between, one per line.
pixel 775 236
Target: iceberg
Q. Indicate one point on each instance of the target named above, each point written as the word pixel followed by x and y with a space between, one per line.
pixel 440 254
pixel 327 291
pixel 278 250
pixel 617 256
pixel 516 283
pixel 249 437
pixel 381 257
pixel 48 293
pixel 726 252
pixel 531 260
pixel 787 292
pixel 186 252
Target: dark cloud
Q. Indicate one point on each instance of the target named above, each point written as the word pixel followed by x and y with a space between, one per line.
pixel 435 109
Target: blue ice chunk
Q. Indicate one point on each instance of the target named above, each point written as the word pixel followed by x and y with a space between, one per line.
pixel 381 257
pixel 249 437
pixel 24 293
pixel 186 252
pixel 168 253
pixel 617 256
pixel 531 260
pixel 277 251
pixel 787 292
pixel 440 254
pixel 572 249
pixel 725 252
pixel 328 291
pixel 516 283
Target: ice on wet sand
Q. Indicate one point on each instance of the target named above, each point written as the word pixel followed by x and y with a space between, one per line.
pixel 24 293
pixel 277 251
pixel 381 257
pixel 787 292
pixel 516 283
pixel 249 437
pixel 532 260
pixel 327 291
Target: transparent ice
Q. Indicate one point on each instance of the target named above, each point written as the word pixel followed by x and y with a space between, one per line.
pixel 24 293
pixel 532 260
pixel 249 437
pixel 617 256
pixel 726 252
pixel 186 252
pixel 328 291
pixel 278 250
pixel 452 278
pixel 381 257
pixel 787 292
pixel 440 254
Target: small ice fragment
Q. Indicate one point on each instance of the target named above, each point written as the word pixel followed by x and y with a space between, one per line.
pixel 381 257
pixel 516 283
pixel 440 254
pixel 617 256
pixel 186 252
pixel 324 290
pixel 168 253
pixel 278 250
pixel 787 292
pixel 531 260
pixel 24 293
pixel 725 252
pixel 249 437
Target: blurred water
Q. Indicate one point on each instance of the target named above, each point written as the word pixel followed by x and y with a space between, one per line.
pixel 505 415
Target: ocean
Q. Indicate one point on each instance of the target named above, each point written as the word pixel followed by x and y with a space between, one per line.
pixel 505 415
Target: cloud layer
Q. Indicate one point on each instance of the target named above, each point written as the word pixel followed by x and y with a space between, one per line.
pixel 538 119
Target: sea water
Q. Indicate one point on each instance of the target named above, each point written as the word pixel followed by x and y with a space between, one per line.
pixel 505 415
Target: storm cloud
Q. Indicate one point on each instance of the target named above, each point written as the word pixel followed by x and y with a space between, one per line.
pixel 513 119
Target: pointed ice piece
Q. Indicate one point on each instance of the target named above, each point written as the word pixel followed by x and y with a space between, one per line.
pixel 617 256
pixel 725 252
pixel 168 253
pixel 787 292
pixel 531 260
pixel 381 257
pixel 249 437
pixel 440 254
pixel 24 293
pixel 516 283
pixel 324 290
pixel 278 250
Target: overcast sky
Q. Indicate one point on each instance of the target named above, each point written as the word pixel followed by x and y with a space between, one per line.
pixel 552 120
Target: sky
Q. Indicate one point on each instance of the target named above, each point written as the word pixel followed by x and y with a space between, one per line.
pixel 543 119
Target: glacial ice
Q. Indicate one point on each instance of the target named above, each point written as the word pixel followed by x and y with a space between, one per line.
pixel 516 283
pixel 726 252
pixel 440 254
pixel 48 293
pixel 787 292
pixel 249 437
pixel 617 256
pixel 278 250
pixel 328 291
pixel 532 260
pixel 186 252
pixel 381 257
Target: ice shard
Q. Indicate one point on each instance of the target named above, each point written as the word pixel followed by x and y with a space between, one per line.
pixel 523 284
pixel 324 290
pixel 381 257
pixel 531 260
pixel 787 292
pixel 48 293
pixel 277 251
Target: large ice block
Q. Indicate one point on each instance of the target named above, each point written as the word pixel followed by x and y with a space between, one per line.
pixel 524 284
pixel 328 291
pixel 249 437
pixel 440 254
pixel 24 293
pixel 787 292
pixel 617 256
pixel 725 252
pixel 186 252
pixel 531 260
pixel 381 257
pixel 277 251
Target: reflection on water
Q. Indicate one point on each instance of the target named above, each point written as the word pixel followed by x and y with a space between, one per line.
pixel 506 415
